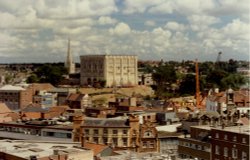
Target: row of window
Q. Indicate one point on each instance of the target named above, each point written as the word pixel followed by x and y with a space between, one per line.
pixel 226 138
pixel 194 146
pixel 105 131
pixel 111 141
pixel 234 152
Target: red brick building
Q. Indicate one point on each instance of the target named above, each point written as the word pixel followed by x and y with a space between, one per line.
pixel 230 143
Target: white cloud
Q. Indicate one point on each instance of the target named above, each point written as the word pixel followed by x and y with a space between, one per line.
pixel 105 20
pixel 121 29
pixel 175 26
pixel 201 22
pixel 150 23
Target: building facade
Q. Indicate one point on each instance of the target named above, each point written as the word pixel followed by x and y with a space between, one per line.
pixel 123 133
pixel 197 145
pixel 114 70
pixel 230 143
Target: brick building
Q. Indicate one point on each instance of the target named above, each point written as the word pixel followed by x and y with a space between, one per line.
pixel 119 133
pixel 197 145
pixel 230 143
pixel 19 96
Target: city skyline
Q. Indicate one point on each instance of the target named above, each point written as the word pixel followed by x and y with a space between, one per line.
pixel 37 31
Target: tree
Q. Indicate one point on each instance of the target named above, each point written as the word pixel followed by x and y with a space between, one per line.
pixel 48 74
pixel 215 76
pixel 32 79
pixel 233 81
pixel 164 76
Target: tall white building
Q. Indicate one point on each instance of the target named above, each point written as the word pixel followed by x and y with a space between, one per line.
pixel 115 70
pixel 69 64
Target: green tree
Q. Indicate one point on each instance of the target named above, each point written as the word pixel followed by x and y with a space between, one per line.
pixel 233 81
pixel 49 74
pixel 164 76
pixel 32 79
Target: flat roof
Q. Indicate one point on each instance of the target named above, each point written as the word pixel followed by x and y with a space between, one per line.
pixel 25 149
pixel 244 129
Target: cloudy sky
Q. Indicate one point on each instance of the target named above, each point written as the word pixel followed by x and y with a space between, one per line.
pixel 37 30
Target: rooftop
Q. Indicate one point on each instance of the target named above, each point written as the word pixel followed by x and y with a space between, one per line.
pixel 25 149
pixel 11 88
pixel 243 129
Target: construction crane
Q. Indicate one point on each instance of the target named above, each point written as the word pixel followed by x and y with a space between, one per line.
pixel 197 93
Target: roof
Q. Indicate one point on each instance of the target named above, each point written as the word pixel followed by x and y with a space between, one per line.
pixel 24 148
pixel 244 121
pixel 75 97
pixel 31 108
pixel 97 148
pixel 105 122
pixel 168 128
pixel 11 88
pixel 245 129
pixel 4 108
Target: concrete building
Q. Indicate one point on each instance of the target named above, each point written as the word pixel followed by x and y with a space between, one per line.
pixel 35 150
pixel 114 70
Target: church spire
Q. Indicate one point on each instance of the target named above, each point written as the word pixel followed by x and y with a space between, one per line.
pixel 69 61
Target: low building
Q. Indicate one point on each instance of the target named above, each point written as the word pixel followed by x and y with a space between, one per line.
pixel 197 145
pixel 78 101
pixel 230 143
pixel 36 130
pixel 35 150
pixel 45 99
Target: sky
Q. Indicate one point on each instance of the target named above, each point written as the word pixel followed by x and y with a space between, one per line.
pixel 38 30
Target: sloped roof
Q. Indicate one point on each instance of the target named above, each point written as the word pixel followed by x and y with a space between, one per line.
pixel 105 122
pixel 75 97
pixel 4 108
pixel 97 148
pixel 32 108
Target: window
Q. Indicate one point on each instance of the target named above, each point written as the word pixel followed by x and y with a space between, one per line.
pixel 115 141
pixel 105 140
pixel 244 155
pixel 244 140
pixel 148 134
pixel 95 139
pixel 151 144
pixel 225 151
pixel 217 150
pixel 225 137
pixel 105 131
pixel 234 138
pixel 217 135
pixel 125 142
pixel 144 145
pixel 234 153
pixel 124 132
pixel 115 131
pixel 95 131
pixel 86 131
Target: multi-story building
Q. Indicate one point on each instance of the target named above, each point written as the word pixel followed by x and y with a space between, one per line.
pixel 114 70
pixel 119 133
pixel 19 96
pixel 45 99
pixel 15 97
pixel 230 143
pixel 197 145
